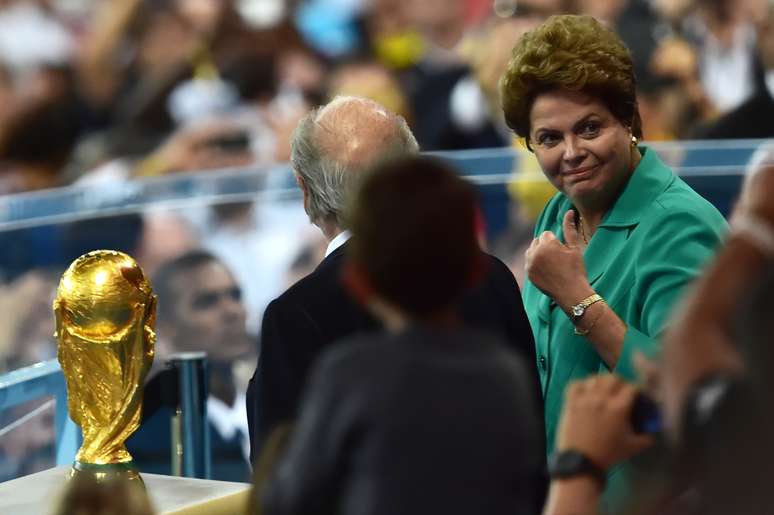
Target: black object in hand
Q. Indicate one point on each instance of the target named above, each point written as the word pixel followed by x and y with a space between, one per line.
pixel 646 415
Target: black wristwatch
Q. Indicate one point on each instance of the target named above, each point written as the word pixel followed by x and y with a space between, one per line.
pixel 571 463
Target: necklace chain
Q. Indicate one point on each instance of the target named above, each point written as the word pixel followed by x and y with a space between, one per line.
pixel 582 230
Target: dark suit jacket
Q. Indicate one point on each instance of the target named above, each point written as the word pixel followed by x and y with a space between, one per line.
pixel 420 422
pixel 750 120
pixel 317 311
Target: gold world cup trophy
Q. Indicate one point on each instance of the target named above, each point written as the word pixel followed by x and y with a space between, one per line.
pixel 105 314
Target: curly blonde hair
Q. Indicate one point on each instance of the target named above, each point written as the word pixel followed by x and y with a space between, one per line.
pixel 574 53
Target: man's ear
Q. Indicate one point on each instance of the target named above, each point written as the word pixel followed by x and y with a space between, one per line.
pixel 304 189
pixel 300 181
pixel 356 283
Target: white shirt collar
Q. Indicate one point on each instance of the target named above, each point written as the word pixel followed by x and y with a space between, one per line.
pixel 337 242
pixel 230 420
pixel 769 79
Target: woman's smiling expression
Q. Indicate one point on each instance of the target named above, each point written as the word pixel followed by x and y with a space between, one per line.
pixel 582 148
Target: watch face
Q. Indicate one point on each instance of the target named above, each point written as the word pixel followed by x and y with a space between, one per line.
pixel 570 463
pixel 577 310
pixel 567 463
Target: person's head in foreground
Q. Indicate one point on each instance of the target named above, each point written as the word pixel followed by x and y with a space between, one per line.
pixel 84 495
pixel 415 247
pixel 569 91
pixel 331 148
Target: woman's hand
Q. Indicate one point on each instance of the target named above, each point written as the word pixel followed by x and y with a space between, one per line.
pixel 596 421
pixel 557 268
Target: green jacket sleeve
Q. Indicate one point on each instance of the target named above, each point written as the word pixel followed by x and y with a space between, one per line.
pixel 677 246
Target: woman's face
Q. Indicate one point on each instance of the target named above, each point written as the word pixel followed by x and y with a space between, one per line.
pixel 582 148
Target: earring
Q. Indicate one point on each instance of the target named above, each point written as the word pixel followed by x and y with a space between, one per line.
pixel 634 141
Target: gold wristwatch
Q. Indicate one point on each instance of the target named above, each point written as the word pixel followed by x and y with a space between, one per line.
pixel 577 310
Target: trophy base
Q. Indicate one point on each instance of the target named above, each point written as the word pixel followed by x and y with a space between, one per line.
pixel 107 472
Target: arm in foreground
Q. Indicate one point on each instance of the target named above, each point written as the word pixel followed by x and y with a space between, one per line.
pixel 596 423
pixel 699 343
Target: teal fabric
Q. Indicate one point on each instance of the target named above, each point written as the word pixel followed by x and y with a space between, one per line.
pixel 653 242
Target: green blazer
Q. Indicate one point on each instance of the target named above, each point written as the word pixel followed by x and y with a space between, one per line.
pixel 650 245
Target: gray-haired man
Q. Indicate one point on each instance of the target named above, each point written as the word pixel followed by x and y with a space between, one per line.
pixel 331 147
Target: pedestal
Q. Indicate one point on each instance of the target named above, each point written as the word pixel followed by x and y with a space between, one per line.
pixel 37 494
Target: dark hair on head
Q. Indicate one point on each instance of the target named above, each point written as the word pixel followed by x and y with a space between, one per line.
pixel 254 75
pixel 85 495
pixel 413 222
pixel 575 53
pixel 166 275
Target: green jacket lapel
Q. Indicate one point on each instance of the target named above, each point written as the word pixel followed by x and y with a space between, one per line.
pixel 650 178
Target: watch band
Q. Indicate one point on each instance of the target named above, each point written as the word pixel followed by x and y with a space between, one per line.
pixel 579 309
pixel 571 463
pixel 584 332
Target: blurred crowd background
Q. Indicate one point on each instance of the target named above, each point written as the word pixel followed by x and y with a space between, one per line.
pixel 101 92
pixel 105 89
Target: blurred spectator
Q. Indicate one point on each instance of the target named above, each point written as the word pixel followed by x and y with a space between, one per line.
pixel 418 43
pixel 667 66
pixel 206 145
pixel 441 22
pixel 118 232
pixel 138 71
pixel 177 52
pixel 26 336
pixel 605 11
pixel 257 241
pixel 200 309
pixel 330 26
pixel 371 80
pixel 752 119
pixel 165 235
pixel 27 439
pixel 726 52
pixel 39 131
pixel 475 100
pixel 31 36
pixel 141 69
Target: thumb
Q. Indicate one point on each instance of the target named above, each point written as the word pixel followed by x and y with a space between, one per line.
pixel 571 237
pixel 638 442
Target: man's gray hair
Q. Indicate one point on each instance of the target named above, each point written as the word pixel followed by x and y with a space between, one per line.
pixel 329 181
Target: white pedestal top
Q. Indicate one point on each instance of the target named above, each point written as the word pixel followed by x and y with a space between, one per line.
pixel 37 494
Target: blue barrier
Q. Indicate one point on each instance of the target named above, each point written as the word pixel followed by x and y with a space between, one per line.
pixel 192 455
pixel 44 380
